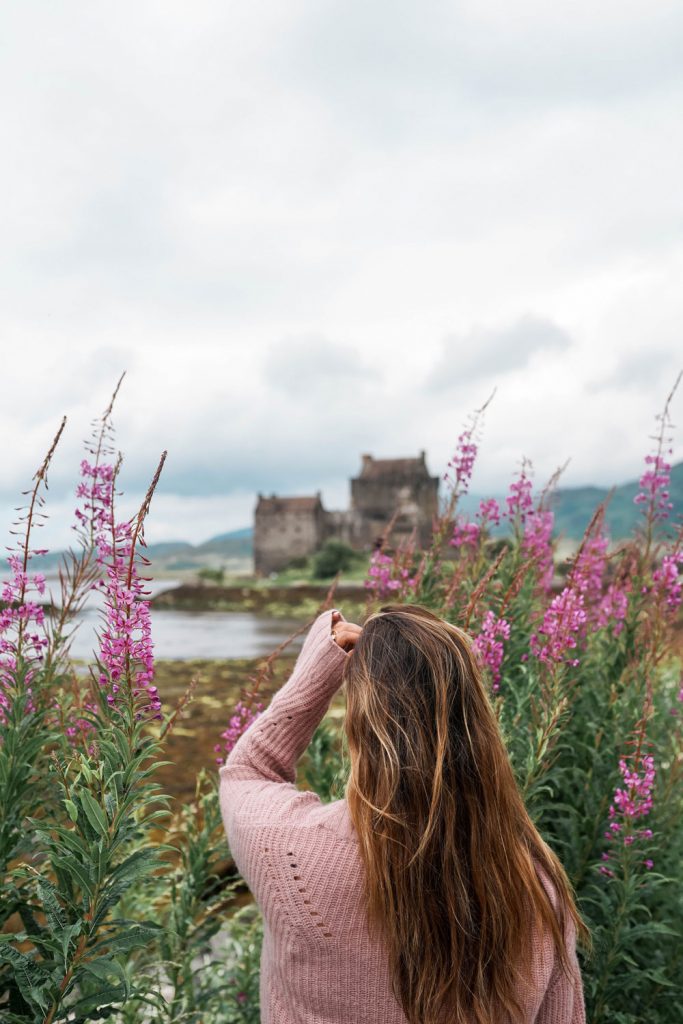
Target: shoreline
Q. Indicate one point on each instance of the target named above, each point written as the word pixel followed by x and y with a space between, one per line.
pixel 280 599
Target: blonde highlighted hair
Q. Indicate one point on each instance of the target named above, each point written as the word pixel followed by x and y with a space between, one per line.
pixel 452 859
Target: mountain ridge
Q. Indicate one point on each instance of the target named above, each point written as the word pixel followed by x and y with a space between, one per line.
pixel 572 508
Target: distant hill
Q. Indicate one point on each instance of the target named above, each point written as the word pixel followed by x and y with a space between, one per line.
pixel 573 508
pixel 237 543
pixel 245 531
pixel 231 550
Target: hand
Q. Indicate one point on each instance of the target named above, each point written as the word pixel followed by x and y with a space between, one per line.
pixel 344 633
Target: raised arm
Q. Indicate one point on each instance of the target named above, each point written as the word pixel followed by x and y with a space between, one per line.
pixel 257 779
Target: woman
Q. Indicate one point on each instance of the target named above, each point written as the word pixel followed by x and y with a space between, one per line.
pixel 426 894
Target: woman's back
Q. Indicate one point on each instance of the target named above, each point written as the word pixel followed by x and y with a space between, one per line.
pixel 302 861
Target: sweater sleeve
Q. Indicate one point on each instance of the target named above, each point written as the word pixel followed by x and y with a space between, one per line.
pixel 257 781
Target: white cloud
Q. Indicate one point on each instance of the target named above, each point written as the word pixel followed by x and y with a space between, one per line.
pixel 221 200
pixel 492 352
pixel 318 370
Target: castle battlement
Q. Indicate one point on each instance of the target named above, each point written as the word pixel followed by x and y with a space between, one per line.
pixel 287 527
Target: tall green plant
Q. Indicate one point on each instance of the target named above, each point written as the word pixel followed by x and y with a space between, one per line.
pixel 586 682
pixel 116 907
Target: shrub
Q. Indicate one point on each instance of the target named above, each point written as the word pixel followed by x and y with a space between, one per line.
pixel 586 682
pixel 216 576
pixel 99 916
pixel 333 557
pixel 299 562
pixel 113 906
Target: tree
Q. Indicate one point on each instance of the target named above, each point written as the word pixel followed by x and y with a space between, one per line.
pixel 333 557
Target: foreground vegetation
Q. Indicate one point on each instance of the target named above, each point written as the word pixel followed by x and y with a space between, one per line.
pixel 119 903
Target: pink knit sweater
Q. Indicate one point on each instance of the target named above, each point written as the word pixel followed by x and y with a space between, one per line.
pixel 300 858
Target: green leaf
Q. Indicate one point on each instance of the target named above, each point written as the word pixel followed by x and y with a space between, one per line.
pixel 53 908
pixel 136 935
pixel 67 937
pixel 103 968
pixel 93 1006
pixel 137 864
pixel 94 813
pixel 72 810
pixel 28 975
pixel 75 871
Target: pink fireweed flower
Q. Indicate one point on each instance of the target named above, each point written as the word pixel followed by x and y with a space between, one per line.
pixel 489 512
pixel 667 582
pixel 22 627
pixel 537 542
pixel 566 620
pixel 242 718
pixel 387 577
pixel 632 801
pixel 465 533
pixel 587 576
pixel 462 462
pixel 562 624
pixel 126 646
pixel 125 642
pixel 468 534
pixel 76 727
pixel 589 569
pixel 489 645
pixel 654 487
pixel 519 501
pixel 22 634
pixel 94 526
pixel 97 488
pixel 613 607
pixel 636 800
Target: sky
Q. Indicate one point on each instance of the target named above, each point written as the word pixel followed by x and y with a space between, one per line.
pixel 314 229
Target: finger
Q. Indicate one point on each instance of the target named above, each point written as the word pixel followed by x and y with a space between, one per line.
pixel 349 627
pixel 345 637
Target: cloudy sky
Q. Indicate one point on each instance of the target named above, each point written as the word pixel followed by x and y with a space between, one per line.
pixel 312 229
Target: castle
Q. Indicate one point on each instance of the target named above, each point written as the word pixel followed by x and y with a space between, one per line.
pixel 291 527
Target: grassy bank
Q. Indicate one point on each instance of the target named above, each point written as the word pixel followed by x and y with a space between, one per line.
pixel 301 599
pixel 219 685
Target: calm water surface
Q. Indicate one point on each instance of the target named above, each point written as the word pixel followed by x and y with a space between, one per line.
pixel 189 634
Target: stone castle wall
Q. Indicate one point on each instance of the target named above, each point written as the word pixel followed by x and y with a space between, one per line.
pixel 287 527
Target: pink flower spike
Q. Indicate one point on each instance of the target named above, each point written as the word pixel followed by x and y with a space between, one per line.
pixel 489 645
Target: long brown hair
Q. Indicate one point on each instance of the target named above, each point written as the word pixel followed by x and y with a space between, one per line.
pixel 450 853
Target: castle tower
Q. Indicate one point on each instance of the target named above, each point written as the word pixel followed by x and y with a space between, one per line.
pixel 286 527
pixel 290 527
pixel 385 485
